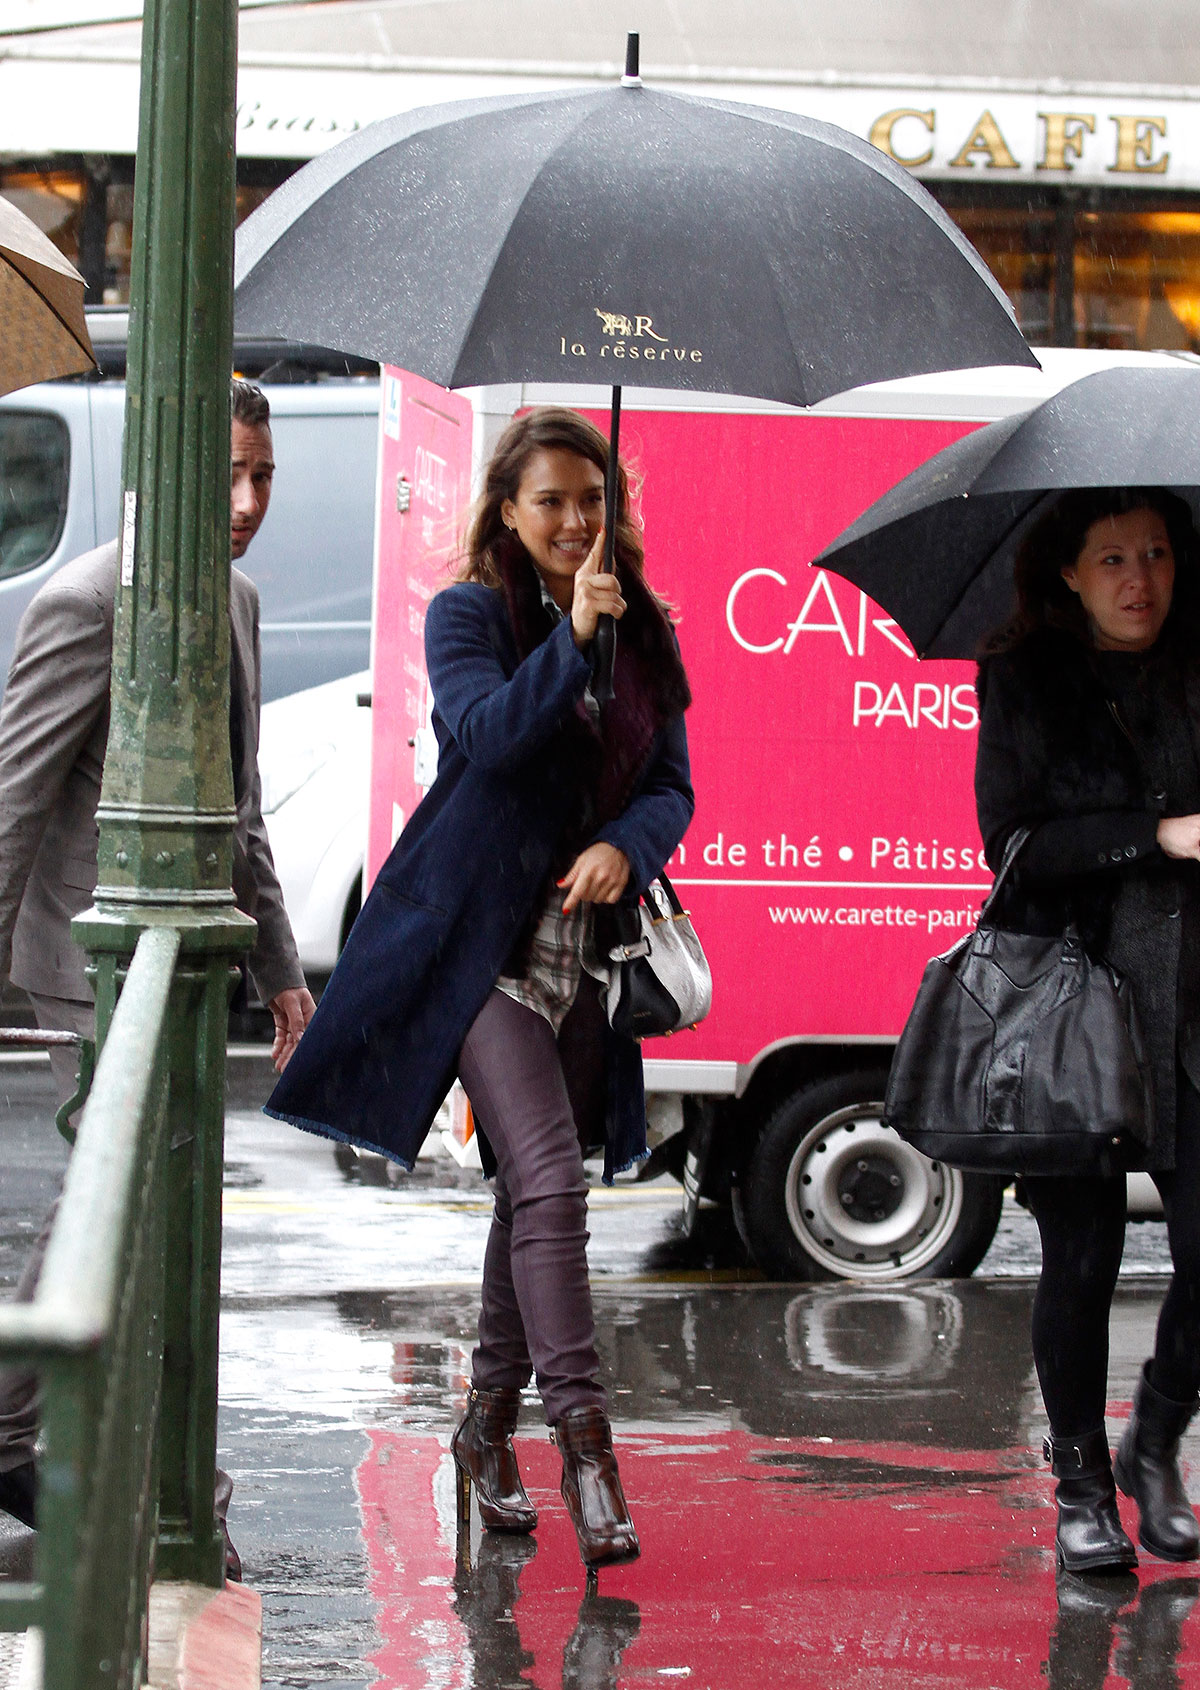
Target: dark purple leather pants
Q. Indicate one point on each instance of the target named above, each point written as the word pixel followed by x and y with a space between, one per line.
pixel 536 1313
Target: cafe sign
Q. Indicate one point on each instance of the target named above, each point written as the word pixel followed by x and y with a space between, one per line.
pixel 1088 140
pixel 945 132
pixel 59 101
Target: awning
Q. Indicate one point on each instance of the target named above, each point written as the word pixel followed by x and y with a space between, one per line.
pixel 1012 93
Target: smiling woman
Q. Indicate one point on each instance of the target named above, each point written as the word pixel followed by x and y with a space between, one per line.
pixel 557 515
pixel 481 950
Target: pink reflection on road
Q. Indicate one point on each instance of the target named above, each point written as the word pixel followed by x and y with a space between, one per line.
pixel 772 1562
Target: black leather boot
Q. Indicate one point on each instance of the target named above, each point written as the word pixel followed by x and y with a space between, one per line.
pixel 484 1456
pixel 591 1489
pixel 1090 1537
pixel 18 1493
pixel 1147 1468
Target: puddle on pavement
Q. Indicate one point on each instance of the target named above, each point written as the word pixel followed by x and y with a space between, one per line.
pixel 834 1487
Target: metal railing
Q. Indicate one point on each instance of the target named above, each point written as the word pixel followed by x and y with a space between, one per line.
pixel 94 1331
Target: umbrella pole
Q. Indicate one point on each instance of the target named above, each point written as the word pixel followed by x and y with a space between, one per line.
pixel 605 643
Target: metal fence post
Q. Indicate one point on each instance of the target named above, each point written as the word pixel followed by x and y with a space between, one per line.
pixel 166 814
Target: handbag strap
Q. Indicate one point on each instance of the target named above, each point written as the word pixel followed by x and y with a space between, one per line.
pixel 672 895
pixel 1012 850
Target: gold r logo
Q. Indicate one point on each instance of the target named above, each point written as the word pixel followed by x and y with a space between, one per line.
pixel 616 323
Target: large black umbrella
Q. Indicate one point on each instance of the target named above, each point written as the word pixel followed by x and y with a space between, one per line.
pixel 937 550
pixel 621 235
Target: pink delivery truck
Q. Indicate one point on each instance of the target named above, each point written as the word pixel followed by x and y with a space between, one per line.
pixel 834 845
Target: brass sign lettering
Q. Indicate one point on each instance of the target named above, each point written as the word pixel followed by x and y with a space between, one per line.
pixel 883 130
pixel 1135 146
pixel 1064 138
pixel 985 139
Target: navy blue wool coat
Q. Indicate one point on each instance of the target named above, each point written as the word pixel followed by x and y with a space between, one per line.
pixel 463 881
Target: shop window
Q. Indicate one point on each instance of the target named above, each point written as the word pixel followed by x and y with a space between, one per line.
pixel 1125 278
pixel 118 242
pixel 1018 247
pixel 35 458
pixel 1137 280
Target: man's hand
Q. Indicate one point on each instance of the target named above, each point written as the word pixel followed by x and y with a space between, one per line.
pixel 292 1011
pixel 597 876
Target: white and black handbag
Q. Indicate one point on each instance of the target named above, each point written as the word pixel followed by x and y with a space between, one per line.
pixel 659 979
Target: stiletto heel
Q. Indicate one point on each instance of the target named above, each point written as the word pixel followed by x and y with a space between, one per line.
pixel 484 1456
pixel 463 1479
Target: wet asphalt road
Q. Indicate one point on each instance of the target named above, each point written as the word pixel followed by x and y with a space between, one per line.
pixel 834 1486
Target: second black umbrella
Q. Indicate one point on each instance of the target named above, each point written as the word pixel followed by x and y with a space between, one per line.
pixel 937 550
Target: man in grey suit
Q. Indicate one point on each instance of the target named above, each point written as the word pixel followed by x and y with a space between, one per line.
pixel 53 734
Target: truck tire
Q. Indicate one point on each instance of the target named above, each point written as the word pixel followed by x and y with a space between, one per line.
pixel 832 1193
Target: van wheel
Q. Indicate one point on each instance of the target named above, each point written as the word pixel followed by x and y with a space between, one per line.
pixel 833 1193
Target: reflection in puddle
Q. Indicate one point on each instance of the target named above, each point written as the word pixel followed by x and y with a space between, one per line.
pixel 485 1600
pixel 881 1336
pixel 1113 1623
pixel 836 1489
pixel 486 1596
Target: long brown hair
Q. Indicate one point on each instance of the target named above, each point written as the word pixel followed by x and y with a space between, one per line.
pixel 1054 543
pixel 551 427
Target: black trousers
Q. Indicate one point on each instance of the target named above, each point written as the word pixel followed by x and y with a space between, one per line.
pixel 1082 1227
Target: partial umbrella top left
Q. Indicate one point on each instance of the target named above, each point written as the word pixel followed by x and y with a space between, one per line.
pixel 43 333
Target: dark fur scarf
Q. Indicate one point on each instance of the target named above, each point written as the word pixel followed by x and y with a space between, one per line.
pixel 650 688
pixel 649 684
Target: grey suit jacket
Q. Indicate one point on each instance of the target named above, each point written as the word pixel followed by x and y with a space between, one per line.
pixel 53 734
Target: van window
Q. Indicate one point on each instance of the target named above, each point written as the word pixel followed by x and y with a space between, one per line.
pixel 35 457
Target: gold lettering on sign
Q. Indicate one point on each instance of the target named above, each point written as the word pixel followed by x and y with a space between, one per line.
pixel 883 130
pixel 1135 146
pixel 1064 137
pixel 985 139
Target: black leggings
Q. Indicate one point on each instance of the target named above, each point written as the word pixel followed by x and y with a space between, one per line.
pixel 1082 1227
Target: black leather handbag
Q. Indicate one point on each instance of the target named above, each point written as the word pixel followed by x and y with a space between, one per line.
pixel 1022 1055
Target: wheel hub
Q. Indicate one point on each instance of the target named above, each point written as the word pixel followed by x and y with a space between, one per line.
pixel 866 1205
pixel 870 1189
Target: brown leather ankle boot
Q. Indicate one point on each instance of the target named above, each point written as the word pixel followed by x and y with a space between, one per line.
pixel 484 1456
pixel 591 1489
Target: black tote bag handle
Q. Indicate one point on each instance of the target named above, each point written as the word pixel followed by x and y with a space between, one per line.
pixel 1012 851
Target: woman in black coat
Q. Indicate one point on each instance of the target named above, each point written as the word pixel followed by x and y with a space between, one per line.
pixel 1090 736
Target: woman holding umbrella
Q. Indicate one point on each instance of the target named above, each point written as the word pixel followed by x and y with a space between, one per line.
pixel 474 952
pixel 1090 737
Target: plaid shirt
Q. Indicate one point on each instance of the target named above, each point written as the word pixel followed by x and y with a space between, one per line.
pixel 555 966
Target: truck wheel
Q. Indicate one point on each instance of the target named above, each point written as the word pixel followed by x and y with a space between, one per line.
pixel 832 1193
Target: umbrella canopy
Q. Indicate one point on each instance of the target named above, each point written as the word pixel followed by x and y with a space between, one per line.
pixel 42 329
pixel 937 550
pixel 621 235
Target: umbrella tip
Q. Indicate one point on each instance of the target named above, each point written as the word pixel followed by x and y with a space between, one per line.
pixel 632 77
